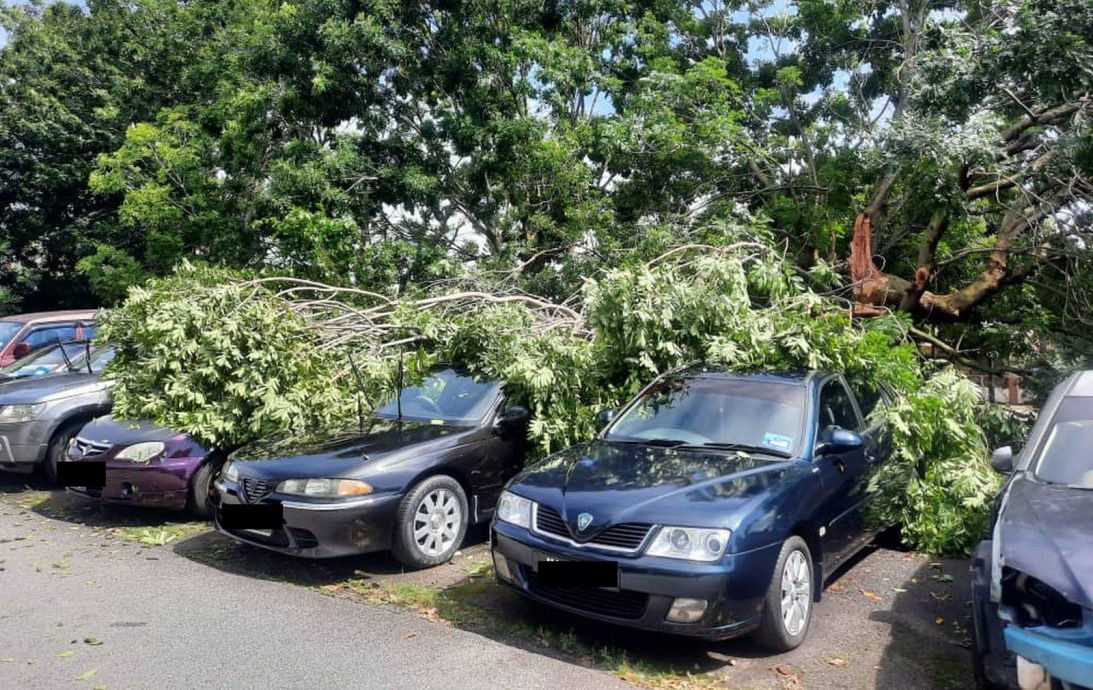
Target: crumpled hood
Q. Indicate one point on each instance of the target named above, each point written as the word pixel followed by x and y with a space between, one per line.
pixel 621 482
pixel 1047 531
pixel 124 433
pixel 44 388
pixel 339 453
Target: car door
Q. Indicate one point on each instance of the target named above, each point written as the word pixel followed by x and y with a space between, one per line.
pixel 502 451
pixel 843 475
pixel 878 441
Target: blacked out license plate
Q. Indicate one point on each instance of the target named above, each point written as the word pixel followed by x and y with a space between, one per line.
pixel 578 573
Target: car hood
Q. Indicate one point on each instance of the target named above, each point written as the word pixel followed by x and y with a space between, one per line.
pixel 1047 531
pixel 124 433
pixel 622 482
pixel 45 388
pixel 343 453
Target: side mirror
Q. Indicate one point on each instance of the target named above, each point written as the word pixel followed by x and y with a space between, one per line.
pixel 835 440
pixel 604 417
pixel 511 419
pixel 21 350
pixel 1002 459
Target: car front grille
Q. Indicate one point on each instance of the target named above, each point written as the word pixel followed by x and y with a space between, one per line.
pixel 622 603
pixel 254 489
pixel 90 449
pixel 628 536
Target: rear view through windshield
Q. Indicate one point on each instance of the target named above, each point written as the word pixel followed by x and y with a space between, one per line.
pixel 713 410
pixel 1065 456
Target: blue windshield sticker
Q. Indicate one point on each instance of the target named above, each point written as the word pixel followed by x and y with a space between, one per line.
pixel 777 441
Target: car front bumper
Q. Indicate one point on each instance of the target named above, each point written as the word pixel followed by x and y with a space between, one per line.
pixel 314 529
pixel 734 587
pixel 22 445
pixel 161 484
pixel 1052 653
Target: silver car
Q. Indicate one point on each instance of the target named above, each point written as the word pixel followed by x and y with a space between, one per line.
pixel 44 401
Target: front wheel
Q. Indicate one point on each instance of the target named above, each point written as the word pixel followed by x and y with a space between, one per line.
pixel 787 610
pixel 58 448
pixel 430 524
pixel 199 492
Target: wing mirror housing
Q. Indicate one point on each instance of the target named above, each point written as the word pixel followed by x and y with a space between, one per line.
pixel 1002 459
pixel 21 350
pixel 604 417
pixel 511 419
pixel 835 440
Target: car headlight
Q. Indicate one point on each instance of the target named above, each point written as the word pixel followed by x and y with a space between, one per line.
pixel 689 543
pixel 141 452
pixel 229 472
pixel 324 488
pixel 514 509
pixel 20 413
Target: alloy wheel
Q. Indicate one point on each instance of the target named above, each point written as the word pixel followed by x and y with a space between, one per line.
pixel 436 522
pixel 796 593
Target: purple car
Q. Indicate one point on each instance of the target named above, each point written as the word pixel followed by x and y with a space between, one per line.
pixel 146 465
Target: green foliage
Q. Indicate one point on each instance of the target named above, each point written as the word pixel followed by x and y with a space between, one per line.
pixel 111 272
pixel 200 353
pixel 940 487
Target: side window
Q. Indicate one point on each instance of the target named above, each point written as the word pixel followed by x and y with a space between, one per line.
pixel 869 397
pixel 40 337
pixel 836 407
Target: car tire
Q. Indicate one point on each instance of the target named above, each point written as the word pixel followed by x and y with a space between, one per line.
pixel 198 500
pixel 431 521
pixel 58 446
pixel 787 609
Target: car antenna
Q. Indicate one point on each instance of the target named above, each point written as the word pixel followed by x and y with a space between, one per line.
pixel 398 394
pixel 360 386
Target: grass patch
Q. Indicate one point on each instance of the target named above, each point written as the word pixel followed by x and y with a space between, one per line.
pixel 948 674
pixel 481 605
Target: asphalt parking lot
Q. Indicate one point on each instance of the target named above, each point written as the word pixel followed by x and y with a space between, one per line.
pixel 108 597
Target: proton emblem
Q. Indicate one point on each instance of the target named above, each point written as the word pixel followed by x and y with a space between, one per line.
pixel 583 521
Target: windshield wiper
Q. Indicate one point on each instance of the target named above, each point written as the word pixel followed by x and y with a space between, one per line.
pixel 661 442
pixel 744 447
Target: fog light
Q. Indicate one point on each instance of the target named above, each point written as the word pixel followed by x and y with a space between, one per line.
pixel 501 566
pixel 686 610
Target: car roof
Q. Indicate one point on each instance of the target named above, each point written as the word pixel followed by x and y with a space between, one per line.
pixel 797 377
pixel 50 316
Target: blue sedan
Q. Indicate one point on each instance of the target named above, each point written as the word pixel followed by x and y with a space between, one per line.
pixel 711 506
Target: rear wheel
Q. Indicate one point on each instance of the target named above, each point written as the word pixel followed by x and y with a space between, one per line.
pixel 431 522
pixel 787 611
pixel 58 447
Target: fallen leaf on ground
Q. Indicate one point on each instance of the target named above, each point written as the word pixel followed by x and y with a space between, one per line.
pixel 941 596
pixel 408 635
pixel 935 565
pixel 783 670
pixel 838 661
pixel 871 595
pixel 835 588
pixel 916 581
pixel 944 577
pixel 93 641
pixel 939 620
pixel 87 675
pixel 65 654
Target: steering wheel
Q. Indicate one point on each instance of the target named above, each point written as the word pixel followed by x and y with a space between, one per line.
pixel 426 404
pixel 673 434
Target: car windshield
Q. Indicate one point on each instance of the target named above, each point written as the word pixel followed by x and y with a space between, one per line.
pixel 444 397
pixel 714 411
pixel 8 329
pixel 52 360
pixel 1064 456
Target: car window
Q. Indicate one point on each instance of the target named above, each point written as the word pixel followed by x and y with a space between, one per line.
pixel 445 396
pixel 50 335
pixel 1064 457
pixel 48 360
pixel 869 397
pixel 836 407
pixel 8 329
pixel 717 410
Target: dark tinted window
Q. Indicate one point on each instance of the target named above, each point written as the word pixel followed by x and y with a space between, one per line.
pixel 836 407
pixel 50 335
pixel 1064 456
pixel 869 396
pixel 716 410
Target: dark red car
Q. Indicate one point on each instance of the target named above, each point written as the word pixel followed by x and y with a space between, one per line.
pixel 22 334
